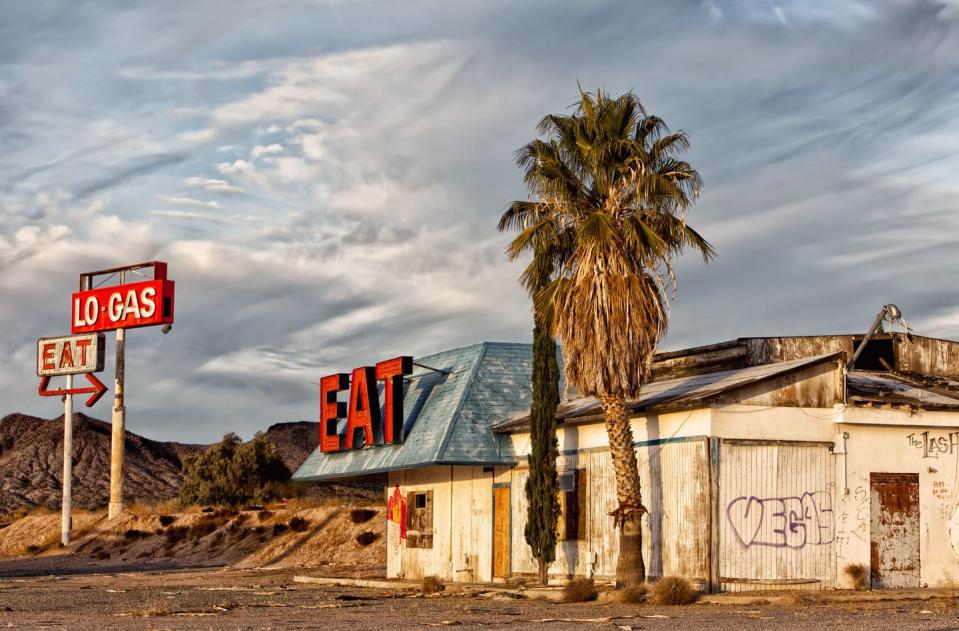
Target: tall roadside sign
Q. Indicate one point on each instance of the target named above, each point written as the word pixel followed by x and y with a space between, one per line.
pixel 67 356
pixel 125 305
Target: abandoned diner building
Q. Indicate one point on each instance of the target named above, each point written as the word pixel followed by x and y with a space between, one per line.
pixel 766 464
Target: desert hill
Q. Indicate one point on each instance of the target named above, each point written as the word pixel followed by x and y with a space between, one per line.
pixel 31 464
pixel 31 461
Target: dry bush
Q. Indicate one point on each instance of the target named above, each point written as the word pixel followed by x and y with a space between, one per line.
pixel 32 549
pixel 432 585
pixel 176 534
pixel 102 555
pixel 279 529
pixel 166 520
pixel 298 524
pixel 367 538
pixel 858 574
pixel 361 515
pixel 579 590
pixel 630 595
pixel 263 515
pixel 208 523
pixel 672 590
pixel 133 533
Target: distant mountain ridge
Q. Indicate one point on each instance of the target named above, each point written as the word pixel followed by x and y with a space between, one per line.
pixel 31 461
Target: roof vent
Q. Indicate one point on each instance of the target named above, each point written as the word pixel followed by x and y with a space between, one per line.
pixel 889 313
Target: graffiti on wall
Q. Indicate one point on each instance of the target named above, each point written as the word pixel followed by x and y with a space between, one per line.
pixel 933 446
pixel 783 522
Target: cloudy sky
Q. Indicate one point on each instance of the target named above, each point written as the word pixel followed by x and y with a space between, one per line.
pixel 324 178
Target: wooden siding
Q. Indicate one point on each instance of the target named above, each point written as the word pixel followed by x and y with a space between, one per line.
pixel 675 480
pixel 501 531
pixel 776 517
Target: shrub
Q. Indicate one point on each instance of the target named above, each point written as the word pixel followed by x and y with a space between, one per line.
pixel 207 524
pixel 858 574
pixel 579 590
pixel 102 555
pixel 232 472
pixel 166 520
pixel 432 585
pixel 176 534
pixel 366 538
pixel 263 515
pixel 133 533
pixel 361 515
pixel 672 590
pixel 279 529
pixel 630 595
pixel 33 549
pixel 298 524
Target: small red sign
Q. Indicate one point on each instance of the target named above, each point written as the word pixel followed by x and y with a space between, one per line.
pixel 126 306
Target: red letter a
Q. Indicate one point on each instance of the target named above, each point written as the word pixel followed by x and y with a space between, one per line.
pixel 364 406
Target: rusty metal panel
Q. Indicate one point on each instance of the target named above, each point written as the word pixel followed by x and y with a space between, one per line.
pixel 926 355
pixel 776 516
pixel 771 350
pixel 894 531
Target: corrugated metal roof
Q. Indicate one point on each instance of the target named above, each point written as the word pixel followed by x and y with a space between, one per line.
pixel 902 389
pixel 680 392
pixel 448 416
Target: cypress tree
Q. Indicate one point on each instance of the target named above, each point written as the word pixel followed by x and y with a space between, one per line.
pixel 542 486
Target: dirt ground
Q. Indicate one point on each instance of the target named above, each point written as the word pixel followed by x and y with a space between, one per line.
pixel 291 536
pixel 269 599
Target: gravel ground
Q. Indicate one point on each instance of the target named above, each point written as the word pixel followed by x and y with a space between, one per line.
pixel 268 599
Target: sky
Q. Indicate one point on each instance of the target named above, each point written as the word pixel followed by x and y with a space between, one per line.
pixel 324 178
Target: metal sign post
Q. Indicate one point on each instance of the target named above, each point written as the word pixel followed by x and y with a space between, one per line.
pixel 118 422
pixel 69 355
pixel 66 504
pixel 121 307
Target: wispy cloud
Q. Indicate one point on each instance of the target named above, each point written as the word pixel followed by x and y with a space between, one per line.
pixel 326 189
pixel 180 200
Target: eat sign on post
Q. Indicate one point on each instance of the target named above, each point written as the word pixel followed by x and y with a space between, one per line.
pixel 70 354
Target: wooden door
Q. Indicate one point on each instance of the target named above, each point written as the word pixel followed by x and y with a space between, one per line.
pixel 501 531
pixel 894 531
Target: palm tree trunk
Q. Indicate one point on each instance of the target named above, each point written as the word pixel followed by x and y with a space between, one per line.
pixel 630 568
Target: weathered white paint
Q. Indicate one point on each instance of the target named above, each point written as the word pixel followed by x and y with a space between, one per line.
pixel 676 493
pixel 777 526
pixel 462 525
pixel 886 448
pixel 878 442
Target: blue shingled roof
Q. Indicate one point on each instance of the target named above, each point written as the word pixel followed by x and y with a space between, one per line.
pixel 448 416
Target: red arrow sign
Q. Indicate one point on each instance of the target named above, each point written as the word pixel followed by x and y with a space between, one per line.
pixel 97 391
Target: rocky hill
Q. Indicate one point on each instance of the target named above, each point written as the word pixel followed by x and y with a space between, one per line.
pixel 31 464
pixel 295 441
pixel 31 461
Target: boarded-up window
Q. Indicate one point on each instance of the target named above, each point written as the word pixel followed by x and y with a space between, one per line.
pixel 572 503
pixel 419 519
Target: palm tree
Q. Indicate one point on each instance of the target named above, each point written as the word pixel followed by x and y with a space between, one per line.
pixel 608 198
